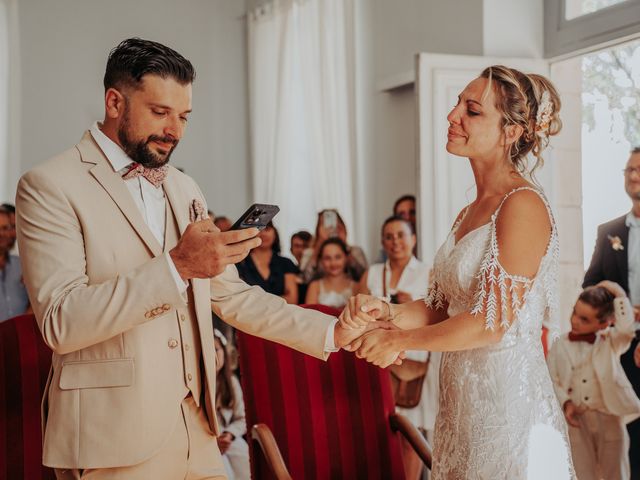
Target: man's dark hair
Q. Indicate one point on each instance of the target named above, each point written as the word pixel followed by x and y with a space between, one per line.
pixel 396 218
pixel 403 198
pixel 635 150
pixel 134 58
pixel 275 248
pixel 599 298
pixel 302 235
pixel 8 207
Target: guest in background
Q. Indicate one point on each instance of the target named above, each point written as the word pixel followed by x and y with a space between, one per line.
pixel 266 268
pixel 405 207
pixel 616 257
pixel 402 279
pixel 331 225
pixel 300 241
pixel 9 207
pixel 13 295
pixel 596 396
pixel 223 223
pixel 230 413
pixel 336 285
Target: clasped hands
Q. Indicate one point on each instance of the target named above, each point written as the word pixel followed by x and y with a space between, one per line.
pixel 366 325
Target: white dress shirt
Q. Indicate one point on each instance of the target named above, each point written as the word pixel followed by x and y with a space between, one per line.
pixel 150 200
pixel 633 257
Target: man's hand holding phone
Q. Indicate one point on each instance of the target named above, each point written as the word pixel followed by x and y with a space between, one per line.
pixel 204 251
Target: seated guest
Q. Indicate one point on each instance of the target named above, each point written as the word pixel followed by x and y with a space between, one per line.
pixel 405 208
pixel 13 249
pixel 595 394
pixel 223 223
pixel 13 295
pixel 230 413
pixel 266 268
pixel 300 241
pixel 331 225
pixel 336 285
pixel 402 279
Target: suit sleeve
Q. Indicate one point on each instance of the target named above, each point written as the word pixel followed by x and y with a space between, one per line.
pixel 621 335
pixel 252 310
pixel 595 273
pixel 72 313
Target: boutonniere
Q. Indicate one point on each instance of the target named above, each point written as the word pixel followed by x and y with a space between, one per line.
pixel 197 211
pixel 616 243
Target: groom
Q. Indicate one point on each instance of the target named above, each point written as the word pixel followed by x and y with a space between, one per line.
pixel 123 273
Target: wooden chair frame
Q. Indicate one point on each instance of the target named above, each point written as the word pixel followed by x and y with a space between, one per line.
pixel 262 436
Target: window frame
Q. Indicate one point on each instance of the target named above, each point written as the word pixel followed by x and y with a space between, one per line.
pixel 561 36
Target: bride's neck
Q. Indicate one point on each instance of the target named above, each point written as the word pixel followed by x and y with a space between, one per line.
pixel 493 176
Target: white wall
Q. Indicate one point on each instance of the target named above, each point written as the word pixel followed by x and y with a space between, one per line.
pixel 390 33
pixel 63 50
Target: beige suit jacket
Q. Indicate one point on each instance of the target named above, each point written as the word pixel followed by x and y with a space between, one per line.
pixel 105 301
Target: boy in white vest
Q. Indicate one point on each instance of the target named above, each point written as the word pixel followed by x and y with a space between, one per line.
pixel 595 394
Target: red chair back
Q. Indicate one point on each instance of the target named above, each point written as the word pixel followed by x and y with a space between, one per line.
pixel 330 419
pixel 24 366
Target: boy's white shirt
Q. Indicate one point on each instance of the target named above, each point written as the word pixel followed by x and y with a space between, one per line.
pixel 615 394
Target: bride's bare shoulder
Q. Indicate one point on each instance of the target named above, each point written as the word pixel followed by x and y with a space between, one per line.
pixel 523 228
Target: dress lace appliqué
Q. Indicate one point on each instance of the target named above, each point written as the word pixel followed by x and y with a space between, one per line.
pixel 498 413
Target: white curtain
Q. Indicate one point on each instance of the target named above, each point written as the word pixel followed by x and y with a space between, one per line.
pixel 301 88
pixel 9 103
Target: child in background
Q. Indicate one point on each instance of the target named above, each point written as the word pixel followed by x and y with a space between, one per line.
pixel 336 286
pixel 596 396
pixel 230 411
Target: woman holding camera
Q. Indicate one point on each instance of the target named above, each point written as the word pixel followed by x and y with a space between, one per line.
pixel 402 279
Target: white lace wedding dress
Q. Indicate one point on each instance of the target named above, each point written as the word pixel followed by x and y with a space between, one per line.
pixel 499 417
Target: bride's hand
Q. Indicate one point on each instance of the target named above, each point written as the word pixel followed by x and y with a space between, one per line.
pixel 361 310
pixel 379 346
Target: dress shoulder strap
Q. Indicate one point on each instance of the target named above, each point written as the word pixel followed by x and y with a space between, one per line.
pixel 500 295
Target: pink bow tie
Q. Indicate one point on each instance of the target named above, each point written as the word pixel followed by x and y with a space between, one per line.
pixel 155 175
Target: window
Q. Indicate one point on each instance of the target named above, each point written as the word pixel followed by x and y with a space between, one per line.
pixel 577 8
pixel 577 25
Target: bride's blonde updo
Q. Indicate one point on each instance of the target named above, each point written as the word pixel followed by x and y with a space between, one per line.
pixel 528 100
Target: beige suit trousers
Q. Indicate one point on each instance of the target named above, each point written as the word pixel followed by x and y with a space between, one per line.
pixel 599 447
pixel 191 453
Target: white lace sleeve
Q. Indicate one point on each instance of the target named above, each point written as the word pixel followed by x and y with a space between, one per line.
pixel 435 298
pixel 500 296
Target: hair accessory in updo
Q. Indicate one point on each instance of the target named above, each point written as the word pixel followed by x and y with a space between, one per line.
pixel 545 111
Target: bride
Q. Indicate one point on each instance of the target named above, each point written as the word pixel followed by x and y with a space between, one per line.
pixel 494 282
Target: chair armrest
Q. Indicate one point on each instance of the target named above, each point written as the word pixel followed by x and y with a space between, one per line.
pixel 261 434
pixel 400 423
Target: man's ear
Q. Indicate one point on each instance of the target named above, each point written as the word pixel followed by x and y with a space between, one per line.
pixel 114 103
pixel 512 133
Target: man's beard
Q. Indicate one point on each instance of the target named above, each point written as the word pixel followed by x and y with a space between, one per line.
pixel 139 151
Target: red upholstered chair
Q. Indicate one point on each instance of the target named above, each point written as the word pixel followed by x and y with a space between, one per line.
pixel 310 419
pixel 24 366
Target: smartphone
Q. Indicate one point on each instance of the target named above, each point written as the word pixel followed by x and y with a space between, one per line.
pixel 257 216
pixel 330 222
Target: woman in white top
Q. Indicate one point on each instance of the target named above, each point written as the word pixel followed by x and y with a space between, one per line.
pixel 402 279
pixel 336 286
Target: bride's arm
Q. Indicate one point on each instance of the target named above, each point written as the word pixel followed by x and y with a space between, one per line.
pixel 414 314
pixel 523 232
